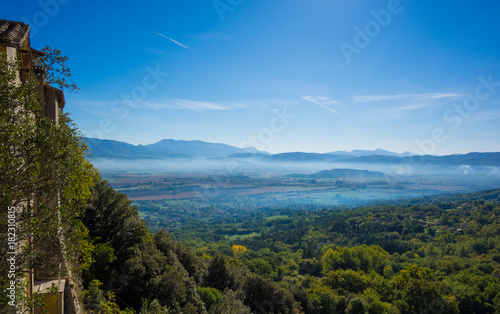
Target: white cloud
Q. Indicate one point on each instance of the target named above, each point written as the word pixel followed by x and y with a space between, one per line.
pixel 486 115
pixel 323 100
pixel 371 98
pixel 188 104
pixel 412 107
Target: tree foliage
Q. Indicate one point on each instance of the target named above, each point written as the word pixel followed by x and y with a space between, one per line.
pixel 57 70
pixel 45 176
pixel 415 256
pixel 238 250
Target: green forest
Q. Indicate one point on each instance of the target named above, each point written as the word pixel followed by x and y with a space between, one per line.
pixel 429 255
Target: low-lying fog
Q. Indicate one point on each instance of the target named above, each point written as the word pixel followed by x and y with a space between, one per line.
pixel 235 166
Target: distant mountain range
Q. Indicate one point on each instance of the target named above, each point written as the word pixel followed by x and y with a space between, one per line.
pixel 198 149
pixel 164 149
pixel 378 151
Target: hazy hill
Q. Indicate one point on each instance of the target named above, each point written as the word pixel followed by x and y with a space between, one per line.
pixel 340 174
pixel 478 159
pixel 164 149
pixel 295 157
pixel 304 157
pixel 347 173
pixel 378 151
pixel 198 149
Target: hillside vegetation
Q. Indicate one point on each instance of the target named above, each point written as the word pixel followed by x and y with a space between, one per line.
pixel 439 255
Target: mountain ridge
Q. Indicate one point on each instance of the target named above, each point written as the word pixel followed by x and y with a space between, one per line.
pixel 378 151
pixel 168 148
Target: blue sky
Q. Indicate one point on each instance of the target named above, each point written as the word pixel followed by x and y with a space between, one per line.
pixel 296 75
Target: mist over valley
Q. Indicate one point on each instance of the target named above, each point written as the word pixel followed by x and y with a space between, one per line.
pixel 173 181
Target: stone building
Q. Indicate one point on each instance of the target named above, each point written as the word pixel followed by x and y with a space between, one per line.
pixel 15 45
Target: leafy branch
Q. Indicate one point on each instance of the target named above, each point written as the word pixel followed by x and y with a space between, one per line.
pixel 57 70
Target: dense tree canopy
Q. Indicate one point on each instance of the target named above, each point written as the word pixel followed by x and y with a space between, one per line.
pixel 43 175
pixel 380 259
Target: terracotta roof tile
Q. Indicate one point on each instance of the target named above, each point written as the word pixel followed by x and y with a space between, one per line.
pixel 13 33
pixel 37 53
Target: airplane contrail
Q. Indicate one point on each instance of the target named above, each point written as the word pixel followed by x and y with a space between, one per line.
pixel 317 103
pixel 174 41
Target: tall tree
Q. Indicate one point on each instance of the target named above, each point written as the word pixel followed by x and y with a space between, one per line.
pixel 43 175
